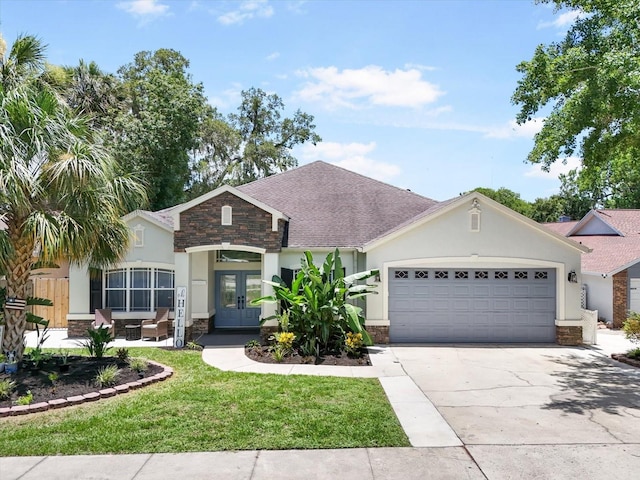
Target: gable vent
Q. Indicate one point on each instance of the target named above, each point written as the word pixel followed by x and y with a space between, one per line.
pixel 227 215
pixel 474 217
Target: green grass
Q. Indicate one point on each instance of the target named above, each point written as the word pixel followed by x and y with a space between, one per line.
pixel 202 408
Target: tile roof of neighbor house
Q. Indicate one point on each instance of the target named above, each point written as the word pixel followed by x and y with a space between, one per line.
pixel 611 253
pixel 329 206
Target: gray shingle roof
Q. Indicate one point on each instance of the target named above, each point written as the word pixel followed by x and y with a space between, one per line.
pixel 329 206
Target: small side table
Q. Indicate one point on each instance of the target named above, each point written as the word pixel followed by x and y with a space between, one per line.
pixel 132 332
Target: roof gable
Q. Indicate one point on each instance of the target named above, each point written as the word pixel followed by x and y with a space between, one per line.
pixel 445 207
pixel 150 217
pixel 594 224
pixel 176 211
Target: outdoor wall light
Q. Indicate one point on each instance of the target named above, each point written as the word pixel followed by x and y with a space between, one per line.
pixel 572 277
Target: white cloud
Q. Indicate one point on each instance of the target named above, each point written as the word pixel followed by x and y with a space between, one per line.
pixel 563 20
pixel 351 87
pixel 352 156
pixel 145 10
pixel 296 7
pixel 513 130
pixel 246 11
pixel 272 56
pixel 229 98
pixel 417 66
pixel 559 167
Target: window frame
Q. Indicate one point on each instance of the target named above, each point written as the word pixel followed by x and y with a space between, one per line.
pixel 130 291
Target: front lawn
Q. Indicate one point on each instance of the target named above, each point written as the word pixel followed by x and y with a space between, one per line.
pixel 204 409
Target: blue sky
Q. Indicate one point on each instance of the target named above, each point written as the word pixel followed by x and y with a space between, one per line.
pixel 414 93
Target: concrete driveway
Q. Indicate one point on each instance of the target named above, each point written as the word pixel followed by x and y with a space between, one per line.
pixel 534 412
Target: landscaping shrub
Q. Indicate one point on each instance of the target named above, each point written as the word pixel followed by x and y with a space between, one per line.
pixel 106 376
pixel 316 307
pixel 98 341
pixel 631 327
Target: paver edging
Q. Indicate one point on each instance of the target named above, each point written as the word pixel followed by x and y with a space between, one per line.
pixel 621 357
pixel 88 397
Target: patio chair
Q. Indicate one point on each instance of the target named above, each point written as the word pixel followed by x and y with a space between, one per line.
pixel 157 327
pixel 103 320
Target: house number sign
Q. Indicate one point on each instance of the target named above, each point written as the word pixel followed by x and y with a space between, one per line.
pixel 181 309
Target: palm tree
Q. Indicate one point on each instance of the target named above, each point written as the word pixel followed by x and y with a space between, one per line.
pixel 61 194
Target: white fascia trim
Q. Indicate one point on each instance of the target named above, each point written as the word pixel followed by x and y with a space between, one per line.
pixel 144 215
pixel 492 203
pixel 141 264
pixel 377 323
pixel 569 322
pixel 623 267
pixel 225 246
pixel 476 262
pixel 275 214
pixel 319 249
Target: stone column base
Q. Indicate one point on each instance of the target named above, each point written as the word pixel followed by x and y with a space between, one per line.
pixel 379 333
pixel 569 336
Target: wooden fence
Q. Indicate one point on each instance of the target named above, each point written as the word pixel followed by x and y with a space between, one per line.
pixel 56 290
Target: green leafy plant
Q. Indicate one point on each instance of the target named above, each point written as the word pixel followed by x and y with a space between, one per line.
pixel 6 387
pixel 278 354
pixel 631 327
pixel 317 306
pixel 97 342
pixel 63 356
pixel 26 399
pixel 106 376
pixel 193 346
pixel 138 364
pixel 122 354
pixel 53 378
pixel 634 353
pixel 253 344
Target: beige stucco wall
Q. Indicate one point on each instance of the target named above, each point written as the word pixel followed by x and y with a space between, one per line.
pixel 502 242
pixel 600 295
pixel 156 252
pixel 158 243
pixel 291 258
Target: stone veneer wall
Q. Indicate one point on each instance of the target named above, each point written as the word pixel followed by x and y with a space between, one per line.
pixel 379 334
pixel 620 298
pixel 251 226
pixel 569 336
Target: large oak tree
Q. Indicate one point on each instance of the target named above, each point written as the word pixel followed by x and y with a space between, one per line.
pixel 591 82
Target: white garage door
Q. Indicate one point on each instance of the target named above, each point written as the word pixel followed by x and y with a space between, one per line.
pixel 472 305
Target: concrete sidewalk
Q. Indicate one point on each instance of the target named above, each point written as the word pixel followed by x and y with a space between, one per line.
pixel 357 464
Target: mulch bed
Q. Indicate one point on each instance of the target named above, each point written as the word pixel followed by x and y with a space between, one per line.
pixel 79 380
pixel 263 355
pixel 621 357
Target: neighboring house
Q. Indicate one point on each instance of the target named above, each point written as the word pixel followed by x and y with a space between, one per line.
pixel 611 272
pixel 464 270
